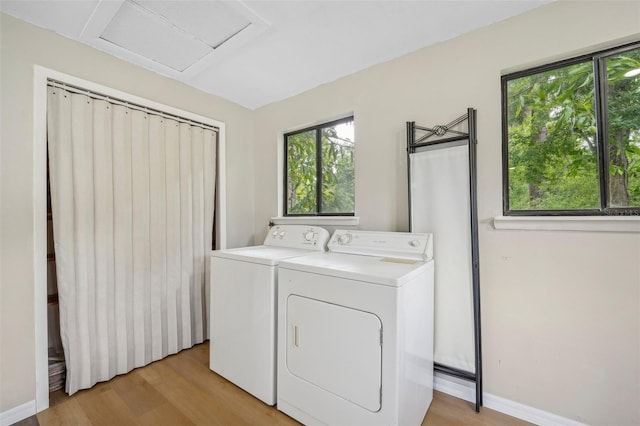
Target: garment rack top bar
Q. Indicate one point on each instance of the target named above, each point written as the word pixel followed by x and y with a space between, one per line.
pixel 437 134
pixel 439 141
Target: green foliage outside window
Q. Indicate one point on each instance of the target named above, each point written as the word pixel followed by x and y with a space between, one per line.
pixel 327 188
pixel 553 125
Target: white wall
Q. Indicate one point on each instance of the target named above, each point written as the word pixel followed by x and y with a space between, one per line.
pixel 560 310
pixel 22 47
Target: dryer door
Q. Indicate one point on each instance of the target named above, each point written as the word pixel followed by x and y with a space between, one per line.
pixel 336 348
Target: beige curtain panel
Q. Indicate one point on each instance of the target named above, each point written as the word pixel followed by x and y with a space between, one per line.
pixel 132 198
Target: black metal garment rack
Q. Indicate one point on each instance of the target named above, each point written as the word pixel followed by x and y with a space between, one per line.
pixel 442 134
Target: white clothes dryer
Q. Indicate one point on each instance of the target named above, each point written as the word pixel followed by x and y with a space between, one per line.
pixel 355 331
pixel 243 306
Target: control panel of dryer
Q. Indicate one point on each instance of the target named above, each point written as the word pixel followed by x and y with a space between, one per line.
pixel 401 245
pixel 297 236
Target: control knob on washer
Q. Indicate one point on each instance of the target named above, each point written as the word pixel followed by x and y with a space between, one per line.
pixel 308 236
pixel 414 243
pixel 344 239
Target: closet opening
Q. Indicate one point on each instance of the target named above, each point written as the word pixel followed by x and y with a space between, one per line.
pixel 55 353
pixel 50 362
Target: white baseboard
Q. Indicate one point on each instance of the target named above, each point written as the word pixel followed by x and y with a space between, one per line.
pixel 467 392
pixel 18 413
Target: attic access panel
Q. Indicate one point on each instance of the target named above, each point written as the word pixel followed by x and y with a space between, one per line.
pixel 176 38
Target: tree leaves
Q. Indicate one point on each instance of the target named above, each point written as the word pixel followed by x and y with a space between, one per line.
pixel 337 172
pixel 552 150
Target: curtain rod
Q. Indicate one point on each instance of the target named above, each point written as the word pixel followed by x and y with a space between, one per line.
pixel 128 104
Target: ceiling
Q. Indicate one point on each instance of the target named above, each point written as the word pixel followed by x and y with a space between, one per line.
pixel 257 52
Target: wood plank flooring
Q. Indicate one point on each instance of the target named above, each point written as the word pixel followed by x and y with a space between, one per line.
pixel 181 390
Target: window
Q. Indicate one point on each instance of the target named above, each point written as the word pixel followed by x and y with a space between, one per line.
pixel 319 171
pixel 571 136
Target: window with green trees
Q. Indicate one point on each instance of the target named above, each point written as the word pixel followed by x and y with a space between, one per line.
pixel 319 170
pixel 571 136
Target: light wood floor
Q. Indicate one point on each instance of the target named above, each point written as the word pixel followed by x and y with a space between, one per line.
pixel 181 390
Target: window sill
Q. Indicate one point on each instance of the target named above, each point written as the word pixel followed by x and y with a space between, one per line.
pixel 569 223
pixel 317 220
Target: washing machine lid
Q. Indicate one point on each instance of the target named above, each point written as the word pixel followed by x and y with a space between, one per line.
pixel 264 255
pixel 388 271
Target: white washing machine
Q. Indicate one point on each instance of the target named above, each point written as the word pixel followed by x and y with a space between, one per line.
pixel 243 306
pixel 355 331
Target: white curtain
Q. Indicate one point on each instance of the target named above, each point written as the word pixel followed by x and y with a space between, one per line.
pixel 132 198
pixel 440 204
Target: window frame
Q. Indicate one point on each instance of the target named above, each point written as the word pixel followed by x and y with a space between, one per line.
pixel 318 139
pixel 598 60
